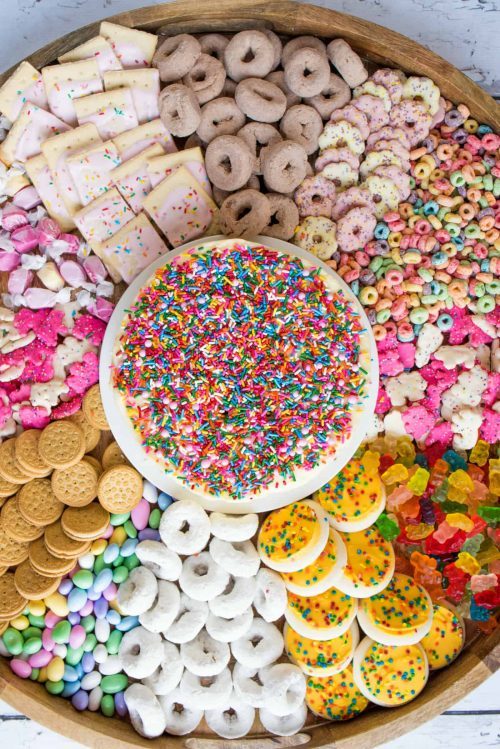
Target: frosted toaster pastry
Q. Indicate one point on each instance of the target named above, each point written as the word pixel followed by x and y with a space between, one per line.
pixel 134 141
pixel 91 170
pixel 25 84
pixel 132 178
pixel 97 48
pixel 42 178
pixel 33 126
pixel 65 83
pixel 192 158
pixel 112 112
pixel 144 84
pixel 103 217
pixel 134 48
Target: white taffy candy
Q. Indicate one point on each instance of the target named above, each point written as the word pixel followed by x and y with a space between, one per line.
pixel 141 652
pixel 260 646
pixel 163 563
pixel 233 527
pixel 33 262
pixel 285 725
pixel 185 527
pixel 168 674
pixel 50 277
pixel 179 718
pixel 189 621
pixel 429 340
pixel 205 656
pixel 165 608
pixel 284 688
pixel 407 386
pixel 270 596
pixel 233 721
pixel 138 592
pixel 206 693
pixel 465 425
pixel 202 578
pixel 240 558
pixel 145 712
pixel 452 356
pixel 227 630
pixel 235 598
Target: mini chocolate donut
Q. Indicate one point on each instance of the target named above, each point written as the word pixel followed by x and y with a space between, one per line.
pixel 249 54
pixel 220 116
pixel 214 45
pixel 277 46
pixel 193 141
pixel 206 78
pixel 299 42
pixel 307 72
pixel 260 100
pixel 278 78
pixel 245 213
pixel 179 110
pixel 284 217
pixel 220 195
pixel 284 166
pixel 229 88
pixel 229 162
pixel 335 95
pixel 175 56
pixel 348 63
pixel 258 135
pixel 304 125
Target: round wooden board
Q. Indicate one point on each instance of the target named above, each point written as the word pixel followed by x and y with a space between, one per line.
pixel 481 658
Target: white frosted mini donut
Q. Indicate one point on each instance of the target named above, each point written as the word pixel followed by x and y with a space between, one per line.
pixel 169 672
pixel 260 646
pixel 205 656
pixel 188 622
pixel 137 594
pixel 164 609
pixel 283 725
pixel 235 599
pixel 284 688
pixel 239 558
pixel 227 630
pixel 185 527
pixel 232 722
pixel 145 712
pixel 233 527
pixel 206 692
pixel 141 652
pixel 180 719
pixel 247 685
pixel 270 597
pixel 163 563
pixel 202 578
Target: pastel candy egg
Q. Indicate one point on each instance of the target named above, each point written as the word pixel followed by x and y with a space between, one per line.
pixel 103 579
pixel 77 599
pixel 40 659
pixel 150 492
pixel 80 700
pixel 83 579
pixel 140 515
pixel 20 668
pixel 77 636
pixel 55 669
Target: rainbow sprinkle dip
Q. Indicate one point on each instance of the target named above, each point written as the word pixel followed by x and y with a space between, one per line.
pixel 390 675
pixel 239 368
pixel 446 638
pixel 335 697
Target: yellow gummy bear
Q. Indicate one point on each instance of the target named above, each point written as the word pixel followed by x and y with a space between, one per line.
pixel 371 461
pixel 467 563
pixel 406 451
pixel 457 495
pixel 479 453
pixel 395 474
pixel 417 532
pixel 418 482
pixel 461 480
pixel 459 520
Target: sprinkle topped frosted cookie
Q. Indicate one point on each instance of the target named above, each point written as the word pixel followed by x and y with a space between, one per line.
pixel 335 697
pixel 317 577
pixel 321 617
pixel 370 563
pixel 321 657
pixel 446 637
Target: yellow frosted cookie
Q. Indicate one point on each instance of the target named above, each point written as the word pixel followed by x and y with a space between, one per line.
pixel 317 577
pixel 446 637
pixel 321 657
pixel 335 697
pixel 370 563
pixel 321 617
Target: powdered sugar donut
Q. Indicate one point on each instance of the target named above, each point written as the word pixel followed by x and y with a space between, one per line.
pixel 189 621
pixel 257 135
pixel 220 116
pixel 179 110
pixel 284 166
pixel 355 229
pixel 260 646
pixel 137 593
pixel 175 56
pixel 317 235
pixel 165 608
pixel 260 100
pixel 206 78
pixel 374 109
pixel 354 116
pixel 233 527
pixel 347 62
pixel 336 94
pixel 284 725
pixel 270 596
pixel 185 527
pixel 247 685
pixel 284 217
pixel 145 712
pixel 284 688
pixel 278 77
pixel 229 162
pixel 232 722
pixel 227 630
pixel 205 656
pixel 202 578
pixel 299 42
pixel 413 117
pixel 179 718
pixel 239 558
pixel 249 54
pixel 169 672
pixel 354 197
pixel 334 156
pixel 307 72
pixel 244 213
pixel 235 599
pixel 141 652
pixel 315 197
pixel 163 563
pixel 208 692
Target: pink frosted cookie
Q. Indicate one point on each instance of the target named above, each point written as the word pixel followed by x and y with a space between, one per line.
pixel 90 170
pixel 354 197
pixel 400 178
pixel 132 248
pixel 33 126
pixel 355 228
pixel 394 146
pixel 315 197
pixel 392 80
pixel 413 117
pixel 334 156
pixel 103 217
pixel 374 109
pixel 355 116
pixel 342 134
pixel 388 132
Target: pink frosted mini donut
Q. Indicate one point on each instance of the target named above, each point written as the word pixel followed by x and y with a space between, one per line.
pixel 374 109
pixel 307 72
pixel 179 110
pixel 353 197
pixel 277 46
pixel 299 42
pixel 175 56
pixel 303 125
pixel 413 117
pixel 258 135
pixel 214 45
pixel 315 197
pixel 220 117
pixel 245 213
pixel 392 80
pixel 400 178
pixel 260 100
pixel 354 116
pixel 335 95
pixel 278 78
pixel 355 228
pixel 334 156
pixel 229 162
pixel 347 62
pixel 388 132
pixel 393 145
pixel 206 78
pixel 255 46
pixel 284 217
pixel 284 166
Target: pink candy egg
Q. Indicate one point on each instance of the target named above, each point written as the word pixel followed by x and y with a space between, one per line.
pixel 77 636
pixel 40 659
pixel 110 592
pixel 20 668
pixel 140 515
pixel 87 608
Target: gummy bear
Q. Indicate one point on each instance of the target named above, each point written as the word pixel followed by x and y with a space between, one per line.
pixel 388 528
pixel 418 482
pixel 456 581
pixel 473 544
pixel 457 495
pixel 490 514
pixel 461 480
pixel 476 473
pixel 454 460
pixel 444 532
pixel 396 474
pixel 479 583
pixel 467 563
pixel 478 613
pixel 490 599
pixel 405 451
pixel 441 492
pixel 410 509
pixel 480 453
pixel 419 531
pixel 459 520
pixel 421 460
pixel 427 574
pixel 385 462
pixel 453 544
pixel 371 461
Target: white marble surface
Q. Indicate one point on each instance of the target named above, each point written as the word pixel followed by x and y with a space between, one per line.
pixel 463 31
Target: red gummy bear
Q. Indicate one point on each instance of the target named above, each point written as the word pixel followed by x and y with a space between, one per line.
pixel 490 599
pixel 457 580
pixel 453 544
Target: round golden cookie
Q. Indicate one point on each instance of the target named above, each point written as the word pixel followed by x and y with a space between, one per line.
pixel 9 467
pixel 75 486
pixel 38 504
pixel 61 545
pixel 120 488
pixel 3 626
pixel 85 522
pixel 113 456
pixel 32 585
pixel 62 444
pixel 94 463
pixel 11 552
pixel 15 525
pixel 93 409
pixel 7 488
pixel 92 434
pixel 46 563
pixel 3 570
pixel 11 602
pixel 27 455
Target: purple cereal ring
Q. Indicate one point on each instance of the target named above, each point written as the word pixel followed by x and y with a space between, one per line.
pixel 354 116
pixel 348 63
pixel 245 213
pixel 214 45
pixel 220 117
pixel 278 78
pixel 277 46
pixel 284 217
pixel 374 109
pixel 388 132
pixel 413 117
pixel 355 229
pixel 299 42
pixel 315 196
pixel 260 100
pixel 307 72
pixel 179 110
pixel 258 135
pixel 400 178
pixel 175 56
pixel 303 125
pixel 229 162
pixel 284 166
pixel 334 155
pixel 353 197
pixel 391 145
pixel 392 80
pixel 251 44
pixel 206 78
pixel 335 95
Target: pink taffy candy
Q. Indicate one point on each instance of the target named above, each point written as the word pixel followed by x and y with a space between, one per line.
pixel 67 408
pixel 24 239
pixel 19 280
pixel 88 326
pixel 101 308
pixel 95 269
pixel 34 417
pixel 72 241
pixel 417 421
pixel 27 198
pixel 37 298
pixel 48 230
pixel 9 260
pixel 13 217
pixel 84 374
pixel 73 273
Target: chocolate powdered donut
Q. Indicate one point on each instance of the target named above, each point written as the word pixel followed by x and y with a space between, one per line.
pixel 334 96
pixel 303 125
pixel 220 116
pixel 307 72
pixel 278 78
pixel 284 217
pixel 260 100
pixel 284 166
pixel 214 45
pixel 175 56
pixel 299 42
pixel 245 214
pixel 258 135
pixel 206 78
pixel 229 162
pixel 179 110
pixel 249 54
pixel 277 46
